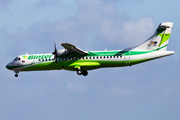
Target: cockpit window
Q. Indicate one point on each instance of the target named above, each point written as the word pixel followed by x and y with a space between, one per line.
pixel 17 59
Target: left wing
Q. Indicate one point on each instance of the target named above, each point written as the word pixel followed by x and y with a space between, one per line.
pixel 72 48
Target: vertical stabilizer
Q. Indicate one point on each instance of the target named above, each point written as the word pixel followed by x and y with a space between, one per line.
pixel 159 40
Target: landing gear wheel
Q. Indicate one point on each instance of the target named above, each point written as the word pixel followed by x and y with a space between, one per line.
pixel 79 72
pixel 16 75
pixel 85 73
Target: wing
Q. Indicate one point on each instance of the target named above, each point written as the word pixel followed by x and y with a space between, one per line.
pixel 72 48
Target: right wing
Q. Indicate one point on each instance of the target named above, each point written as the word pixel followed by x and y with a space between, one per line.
pixel 72 48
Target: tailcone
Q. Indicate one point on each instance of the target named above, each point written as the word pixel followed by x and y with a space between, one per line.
pixel 169 52
pixel 159 54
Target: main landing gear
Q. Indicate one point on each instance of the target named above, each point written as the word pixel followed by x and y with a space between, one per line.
pixel 81 72
pixel 16 75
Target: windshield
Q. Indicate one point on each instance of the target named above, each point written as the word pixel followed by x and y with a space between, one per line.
pixel 17 59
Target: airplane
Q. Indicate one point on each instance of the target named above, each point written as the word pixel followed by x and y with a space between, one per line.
pixel 73 58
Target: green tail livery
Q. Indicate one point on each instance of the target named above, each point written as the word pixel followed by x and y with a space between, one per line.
pixel 74 59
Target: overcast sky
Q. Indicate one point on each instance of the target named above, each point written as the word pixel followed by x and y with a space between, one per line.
pixel 148 91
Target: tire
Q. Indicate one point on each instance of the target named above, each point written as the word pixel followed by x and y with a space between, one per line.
pixel 79 72
pixel 85 73
pixel 16 75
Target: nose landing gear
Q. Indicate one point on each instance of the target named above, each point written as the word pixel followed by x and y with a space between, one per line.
pixel 16 75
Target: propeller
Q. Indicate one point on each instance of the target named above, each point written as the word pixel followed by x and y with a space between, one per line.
pixel 55 53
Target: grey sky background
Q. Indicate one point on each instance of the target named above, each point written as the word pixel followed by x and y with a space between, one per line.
pixel 146 91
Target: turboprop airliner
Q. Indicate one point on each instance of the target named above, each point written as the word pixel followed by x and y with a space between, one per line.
pixel 75 59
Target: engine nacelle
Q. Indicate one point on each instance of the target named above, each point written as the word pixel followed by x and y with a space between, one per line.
pixel 62 52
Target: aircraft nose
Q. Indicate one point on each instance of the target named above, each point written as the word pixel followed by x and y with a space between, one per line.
pixel 8 66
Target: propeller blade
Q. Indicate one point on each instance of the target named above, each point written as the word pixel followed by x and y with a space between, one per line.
pixel 55 50
pixel 55 53
pixel 55 47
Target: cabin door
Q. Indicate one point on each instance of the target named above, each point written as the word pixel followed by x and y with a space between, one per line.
pixel 127 58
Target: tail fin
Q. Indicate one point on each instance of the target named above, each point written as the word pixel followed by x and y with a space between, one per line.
pixel 159 40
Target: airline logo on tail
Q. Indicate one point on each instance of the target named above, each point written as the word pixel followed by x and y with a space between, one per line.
pixel 164 38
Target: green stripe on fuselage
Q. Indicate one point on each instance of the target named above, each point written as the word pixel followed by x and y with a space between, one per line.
pixel 72 60
pixel 70 66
